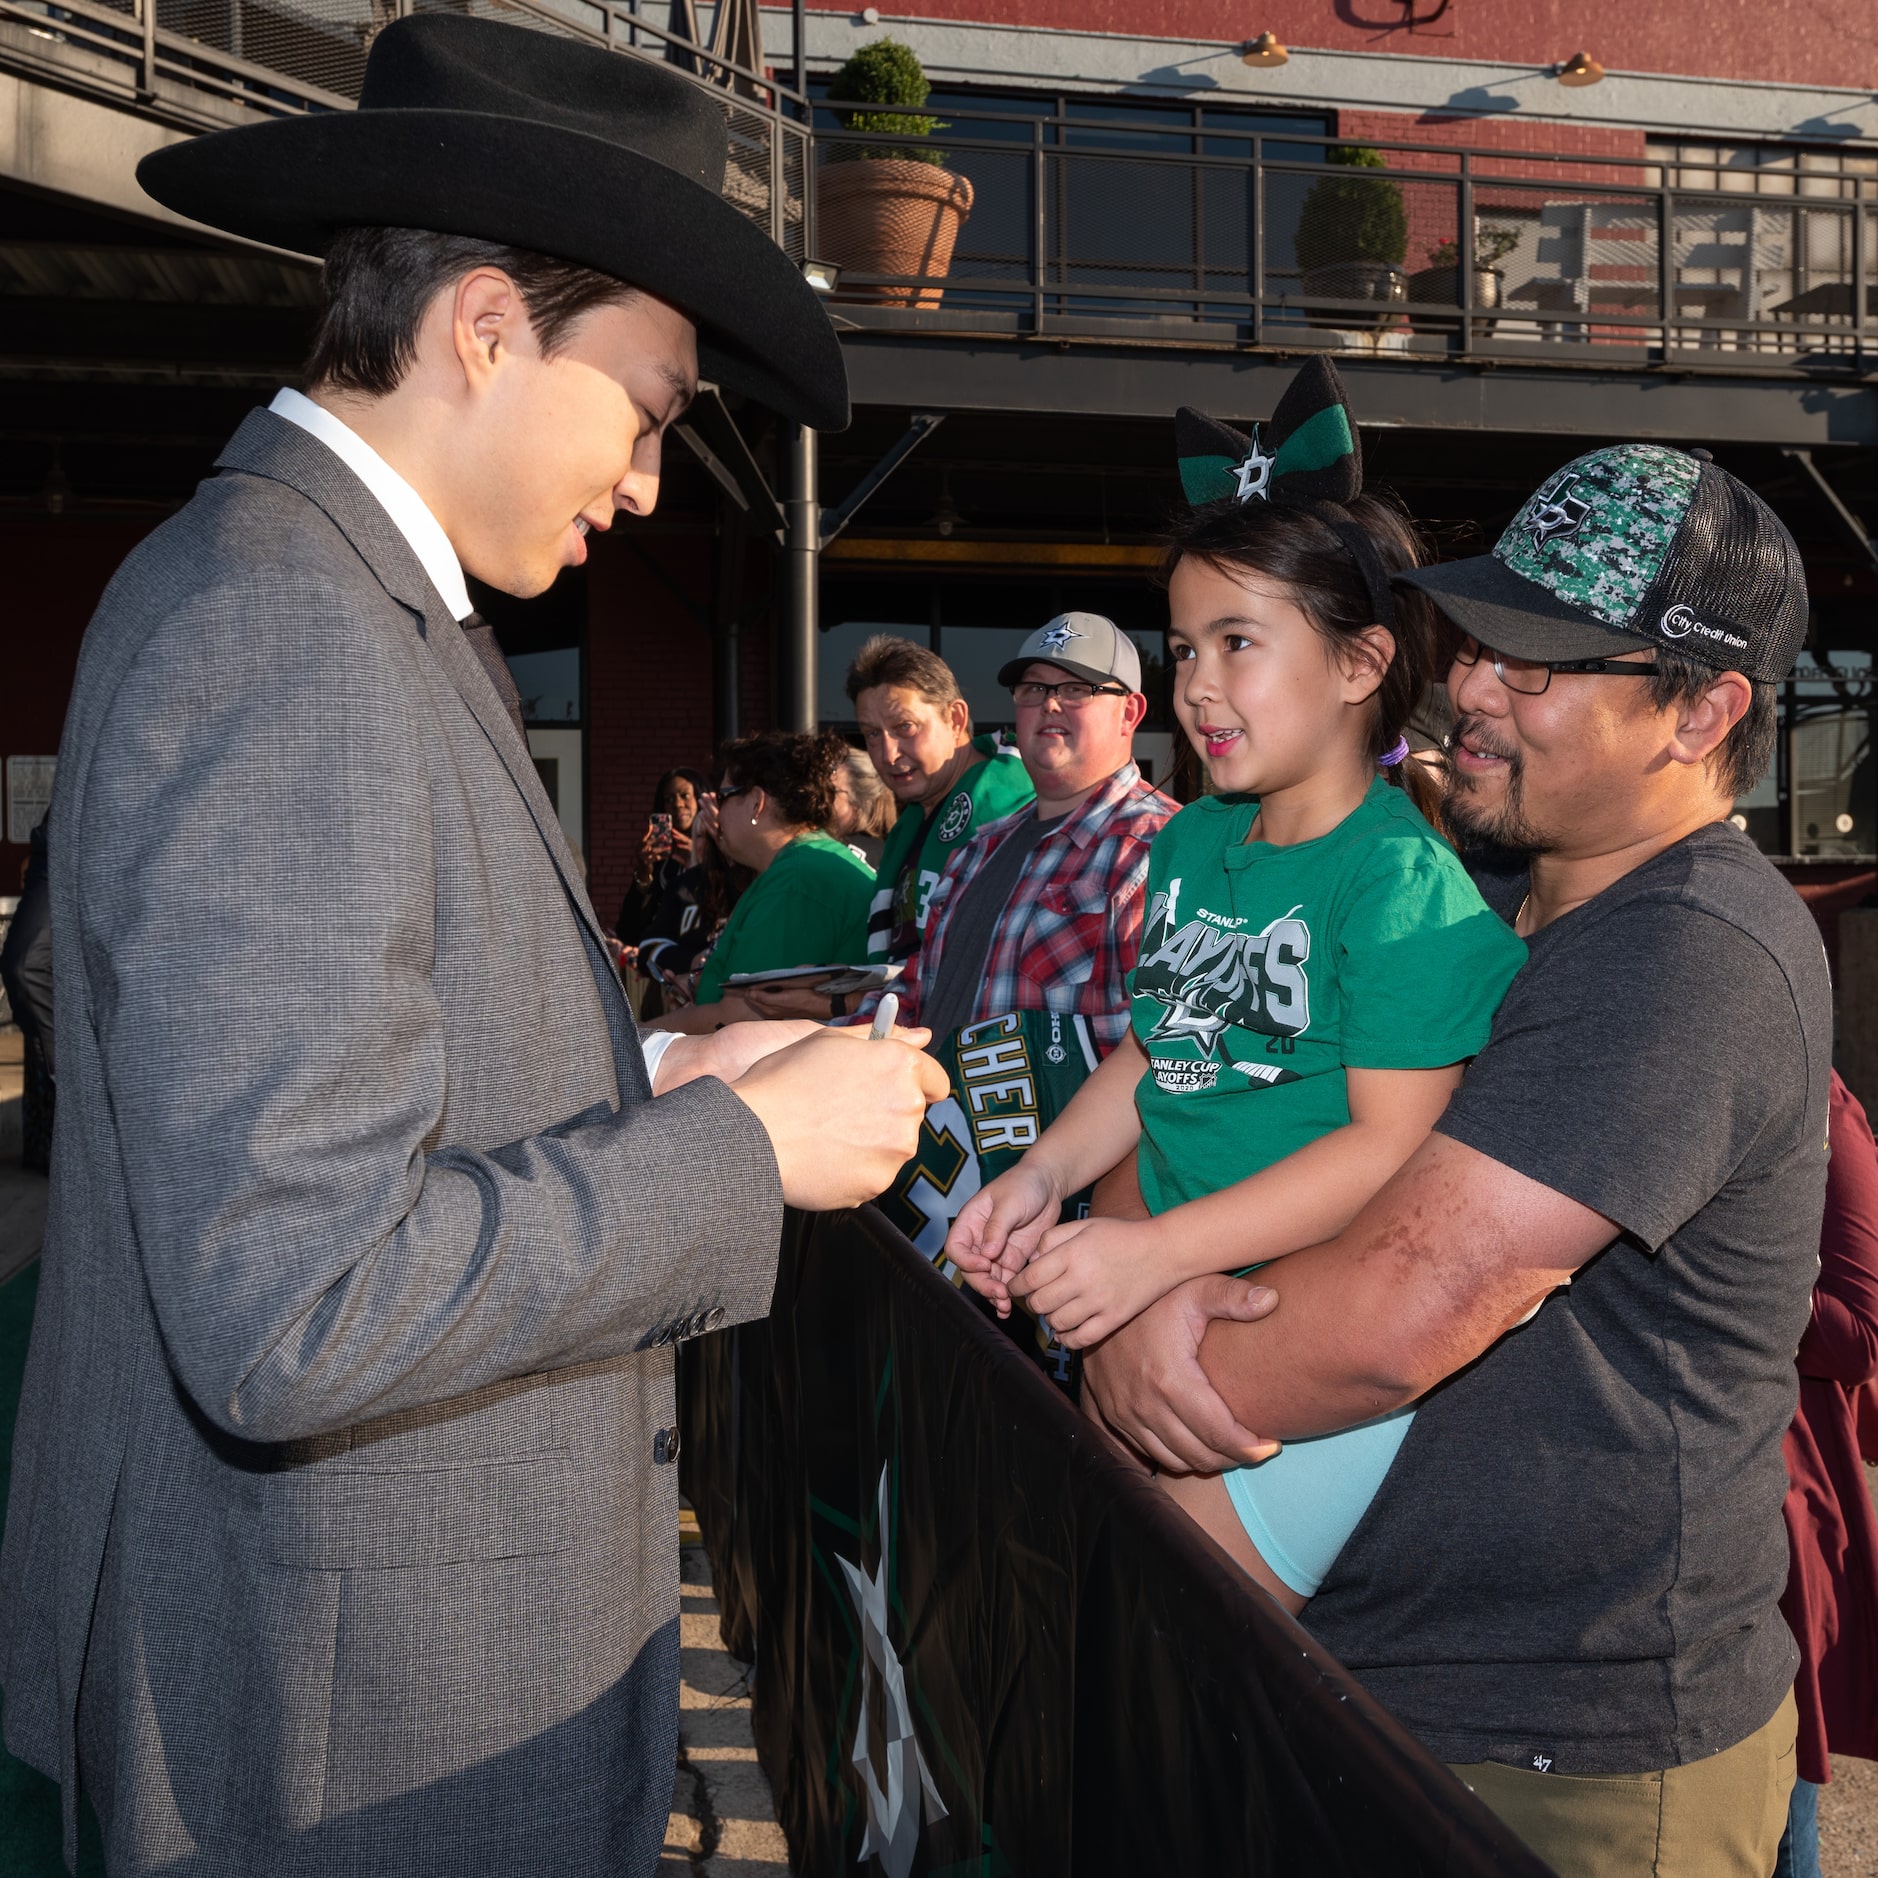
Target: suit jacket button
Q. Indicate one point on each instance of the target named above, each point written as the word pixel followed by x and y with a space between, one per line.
pixel 664 1446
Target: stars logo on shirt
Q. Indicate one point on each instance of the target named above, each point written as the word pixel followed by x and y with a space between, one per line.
pixel 1183 1021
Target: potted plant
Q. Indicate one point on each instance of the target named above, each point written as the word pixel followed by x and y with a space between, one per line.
pixel 1352 235
pixel 887 208
pixel 1439 283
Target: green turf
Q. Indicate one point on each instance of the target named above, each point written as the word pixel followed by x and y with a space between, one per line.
pixel 29 1802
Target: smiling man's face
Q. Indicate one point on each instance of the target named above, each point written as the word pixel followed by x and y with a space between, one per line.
pixel 1562 771
pixel 1067 749
pixel 556 447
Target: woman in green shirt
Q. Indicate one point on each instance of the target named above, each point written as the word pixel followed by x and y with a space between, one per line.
pixel 808 903
pixel 1315 965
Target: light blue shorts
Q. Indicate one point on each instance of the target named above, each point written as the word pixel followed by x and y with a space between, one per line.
pixel 1300 1506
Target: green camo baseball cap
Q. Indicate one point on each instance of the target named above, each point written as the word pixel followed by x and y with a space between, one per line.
pixel 1635 546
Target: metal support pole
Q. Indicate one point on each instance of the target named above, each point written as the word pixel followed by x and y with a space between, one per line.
pixel 797 643
pixel 799 25
pixel 727 620
pixel 147 13
pixel 727 681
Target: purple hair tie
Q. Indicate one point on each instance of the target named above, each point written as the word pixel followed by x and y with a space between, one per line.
pixel 1396 753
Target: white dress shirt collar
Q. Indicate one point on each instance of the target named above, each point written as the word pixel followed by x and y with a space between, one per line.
pixel 406 508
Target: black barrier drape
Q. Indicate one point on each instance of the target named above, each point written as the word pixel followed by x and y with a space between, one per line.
pixel 985 1644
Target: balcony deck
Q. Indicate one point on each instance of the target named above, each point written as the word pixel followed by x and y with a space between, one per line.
pixel 1469 287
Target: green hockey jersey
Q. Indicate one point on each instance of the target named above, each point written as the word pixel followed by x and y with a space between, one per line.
pixel 1011 1077
pixel 919 846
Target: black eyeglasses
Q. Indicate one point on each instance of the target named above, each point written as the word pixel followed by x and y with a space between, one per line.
pixel 1530 677
pixel 1071 693
pixel 733 792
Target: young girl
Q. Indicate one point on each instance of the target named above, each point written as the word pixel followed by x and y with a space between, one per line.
pixel 1315 966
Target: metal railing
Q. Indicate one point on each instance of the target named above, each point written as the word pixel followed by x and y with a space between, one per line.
pixel 1262 239
pixel 1091 227
pixel 203 64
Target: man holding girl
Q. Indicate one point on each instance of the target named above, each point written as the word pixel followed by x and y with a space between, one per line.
pixel 1562 1570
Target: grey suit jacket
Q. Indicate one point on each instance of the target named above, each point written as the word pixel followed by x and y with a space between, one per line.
pixel 335 1480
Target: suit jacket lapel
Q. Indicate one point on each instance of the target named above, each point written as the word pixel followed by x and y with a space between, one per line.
pixel 268 445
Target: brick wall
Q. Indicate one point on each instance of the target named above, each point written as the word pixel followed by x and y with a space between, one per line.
pixel 1781 41
pixel 648 691
pixel 1433 210
pixel 56 570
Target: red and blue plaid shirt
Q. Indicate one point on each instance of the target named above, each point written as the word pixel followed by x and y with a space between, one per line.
pixel 1068 935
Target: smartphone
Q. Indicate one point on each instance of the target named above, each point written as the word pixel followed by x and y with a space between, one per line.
pixel 661 826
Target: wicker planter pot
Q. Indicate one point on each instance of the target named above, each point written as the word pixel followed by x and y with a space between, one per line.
pixel 1357 280
pixel 1441 286
pixel 885 215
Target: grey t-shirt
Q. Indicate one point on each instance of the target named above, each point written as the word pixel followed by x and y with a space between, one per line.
pixel 971 925
pixel 1575 1562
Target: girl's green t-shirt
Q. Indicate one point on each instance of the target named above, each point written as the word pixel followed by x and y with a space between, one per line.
pixel 808 907
pixel 1265 972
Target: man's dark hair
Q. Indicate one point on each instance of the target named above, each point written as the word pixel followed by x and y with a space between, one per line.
pixel 1742 760
pixel 377 282
pixel 885 660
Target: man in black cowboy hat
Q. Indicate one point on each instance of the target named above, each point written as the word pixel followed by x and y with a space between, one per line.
pixel 343 1519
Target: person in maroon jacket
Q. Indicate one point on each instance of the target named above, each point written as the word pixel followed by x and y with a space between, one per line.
pixel 1831 1602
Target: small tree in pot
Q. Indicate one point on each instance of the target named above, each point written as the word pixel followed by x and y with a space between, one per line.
pixel 891 208
pixel 1352 235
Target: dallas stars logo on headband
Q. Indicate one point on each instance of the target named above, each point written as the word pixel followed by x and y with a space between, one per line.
pixel 1308 457
pixel 1255 472
pixel 1308 451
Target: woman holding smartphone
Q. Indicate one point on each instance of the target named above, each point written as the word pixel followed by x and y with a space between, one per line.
pixel 664 850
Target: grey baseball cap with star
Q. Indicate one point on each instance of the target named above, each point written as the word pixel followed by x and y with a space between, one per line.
pixel 1633 547
pixel 1083 643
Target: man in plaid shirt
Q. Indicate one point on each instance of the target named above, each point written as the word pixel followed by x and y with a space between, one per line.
pixel 1041 910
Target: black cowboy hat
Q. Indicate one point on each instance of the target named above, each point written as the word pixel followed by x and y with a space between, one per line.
pixel 467 127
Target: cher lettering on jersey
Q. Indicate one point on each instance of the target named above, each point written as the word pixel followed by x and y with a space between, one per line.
pixel 997 1084
pixel 1011 1076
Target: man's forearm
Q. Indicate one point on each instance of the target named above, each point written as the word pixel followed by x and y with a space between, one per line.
pixel 1303 1200
pixel 1448 1257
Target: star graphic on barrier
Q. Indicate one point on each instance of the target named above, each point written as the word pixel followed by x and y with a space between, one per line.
pixel 893 1810
pixel 1255 473
pixel 1183 1021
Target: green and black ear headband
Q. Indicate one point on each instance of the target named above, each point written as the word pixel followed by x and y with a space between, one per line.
pixel 1308 457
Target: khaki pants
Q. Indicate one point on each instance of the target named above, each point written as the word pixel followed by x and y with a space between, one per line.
pixel 1718 1818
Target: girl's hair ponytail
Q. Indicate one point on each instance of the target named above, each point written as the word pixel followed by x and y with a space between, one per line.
pixel 1295 546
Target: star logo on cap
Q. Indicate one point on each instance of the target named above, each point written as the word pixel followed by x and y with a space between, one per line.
pixel 1255 473
pixel 1555 511
pixel 1058 637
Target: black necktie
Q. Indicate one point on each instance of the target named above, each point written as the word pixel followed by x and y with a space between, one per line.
pixel 482 641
